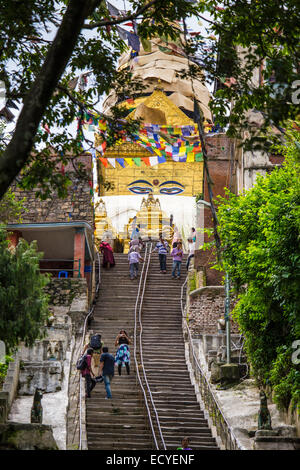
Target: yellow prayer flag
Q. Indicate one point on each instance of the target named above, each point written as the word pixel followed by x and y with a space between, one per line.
pixel 129 161
pixel 177 130
pixel 190 157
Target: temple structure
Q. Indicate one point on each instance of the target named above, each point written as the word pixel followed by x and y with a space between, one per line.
pixel 169 175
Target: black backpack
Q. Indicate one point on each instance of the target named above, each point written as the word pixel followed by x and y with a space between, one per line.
pixel 82 363
pixel 95 342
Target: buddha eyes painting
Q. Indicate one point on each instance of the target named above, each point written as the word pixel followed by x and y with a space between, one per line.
pixel 170 188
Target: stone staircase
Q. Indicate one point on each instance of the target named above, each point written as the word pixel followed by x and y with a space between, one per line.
pixel 164 360
pixel 118 423
pixel 121 423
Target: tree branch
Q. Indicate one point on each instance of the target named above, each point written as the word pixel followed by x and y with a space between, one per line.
pixel 18 151
pixel 132 16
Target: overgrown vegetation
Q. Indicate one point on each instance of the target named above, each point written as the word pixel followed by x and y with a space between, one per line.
pixel 192 282
pixel 3 369
pixel 260 233
pixel 23 302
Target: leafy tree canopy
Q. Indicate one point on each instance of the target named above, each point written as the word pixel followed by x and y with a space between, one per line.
pixel 46 45
pixel 260 233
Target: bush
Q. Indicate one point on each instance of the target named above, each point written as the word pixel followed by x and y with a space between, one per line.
pixel 260 232
pixel 23 302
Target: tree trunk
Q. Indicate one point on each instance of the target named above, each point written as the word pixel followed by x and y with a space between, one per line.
pixel 18 151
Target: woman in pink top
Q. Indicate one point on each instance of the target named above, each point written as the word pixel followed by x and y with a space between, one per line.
pixel 177 254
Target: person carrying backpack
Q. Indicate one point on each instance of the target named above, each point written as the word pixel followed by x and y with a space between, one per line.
pixel 87 372
pixel 123 353
pixel 96 344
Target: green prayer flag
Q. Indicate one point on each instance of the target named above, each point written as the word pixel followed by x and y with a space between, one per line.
pixel 137 161
pixel 199 157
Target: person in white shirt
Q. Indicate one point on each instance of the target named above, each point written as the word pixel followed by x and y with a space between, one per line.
pixel 133 258
pixel 191 247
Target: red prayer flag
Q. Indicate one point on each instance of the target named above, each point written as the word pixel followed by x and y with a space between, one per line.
pixel 104 161
pixel 146 161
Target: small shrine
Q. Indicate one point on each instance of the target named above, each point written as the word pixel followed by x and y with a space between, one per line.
pixel 149 222
pixel 104 228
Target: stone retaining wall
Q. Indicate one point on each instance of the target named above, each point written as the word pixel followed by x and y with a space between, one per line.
pixel 46 365
pixel 76 206
pixel 63 291
pixel 205 307
pixel 10 386
pixel 20 436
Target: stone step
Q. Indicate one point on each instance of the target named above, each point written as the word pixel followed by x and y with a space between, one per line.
pixel 105 444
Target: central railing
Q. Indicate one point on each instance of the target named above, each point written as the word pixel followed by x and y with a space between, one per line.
pixel 139 364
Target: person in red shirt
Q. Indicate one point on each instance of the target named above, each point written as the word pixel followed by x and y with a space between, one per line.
pixel 87 373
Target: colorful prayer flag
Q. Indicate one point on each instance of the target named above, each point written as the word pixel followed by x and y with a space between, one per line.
pixel 153 161
pixel 146 160
pixel 104 161
pixel 137 161
pixel 129 161
pixel 112 162
pixel 121 162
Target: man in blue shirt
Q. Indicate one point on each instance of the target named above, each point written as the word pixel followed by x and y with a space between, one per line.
pixel 163 248
pixel 107 369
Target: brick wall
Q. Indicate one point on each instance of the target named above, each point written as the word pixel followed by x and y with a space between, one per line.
pixel 76 207
pixel 206 306
pixel 222 174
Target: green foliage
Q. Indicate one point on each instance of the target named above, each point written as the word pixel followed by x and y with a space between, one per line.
pixel 192 283
pixel 23 303
pixel 10 208
pixel 285 379
pixel 260 232
pixel 266 33
pixel 3 369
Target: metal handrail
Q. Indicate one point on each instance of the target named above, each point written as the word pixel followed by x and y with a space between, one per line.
pixel 209 398
pixel 141 354
pixel 134 350
pixel 81 346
